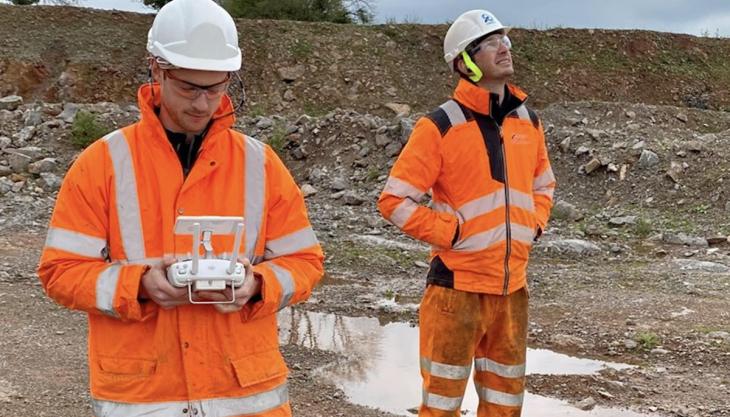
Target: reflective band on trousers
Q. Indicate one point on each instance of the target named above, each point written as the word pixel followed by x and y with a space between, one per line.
pixel 286 281
pixel 106 287
pixel 498 397
pixel 488 203
pixel 484 240
pixel 446 371
pixel 254 192
pixel 291 243
pixel 125 187
pixel 75 242
pixel 226 407
pixel 440 402
pixel 505 371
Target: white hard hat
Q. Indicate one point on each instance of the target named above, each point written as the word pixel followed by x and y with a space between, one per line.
pixel 195 34
pixel 467 28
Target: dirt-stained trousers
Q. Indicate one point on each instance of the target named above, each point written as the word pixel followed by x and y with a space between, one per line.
pixel 458 327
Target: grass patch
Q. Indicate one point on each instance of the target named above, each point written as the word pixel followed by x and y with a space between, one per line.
pixel 702 208
pixel 314 109
pixel 373 174
pixel 256 110
pixel 709 329
pixel 86 129
pixel 301 48
pixel 352 254
pixel 643 227
pixel 277 140
pixel 647 340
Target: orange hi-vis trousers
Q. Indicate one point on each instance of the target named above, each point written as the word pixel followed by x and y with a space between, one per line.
pixel 458 327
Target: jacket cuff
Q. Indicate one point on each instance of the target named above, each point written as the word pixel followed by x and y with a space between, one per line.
pixel 129 306
pixel 267 301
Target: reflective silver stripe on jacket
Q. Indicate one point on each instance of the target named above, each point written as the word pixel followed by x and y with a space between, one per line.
pixel 291 243
pixel 411 197
pixel 488 203
pixel 403 189
pixel 75 242
pixel 224 407
pixel 286 281
pixel 498 397
pixel 484 240
pixel 145 261
pixel 125 187
pixel 443 370
pixel 440 402
pixel 544 183
pixel 499 369
pixel 403 212
pixel 254 193
pixel 454 112
pixel 106 287
pixel 522 113
pixel 179 257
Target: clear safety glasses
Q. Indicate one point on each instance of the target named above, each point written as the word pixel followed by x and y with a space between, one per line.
pixel 192 91
pixel 492 44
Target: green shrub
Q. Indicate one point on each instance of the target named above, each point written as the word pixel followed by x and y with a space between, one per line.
pixel 643 227
pixel 278 139
pixel 647 340
pixel 86 129
pixel 336 11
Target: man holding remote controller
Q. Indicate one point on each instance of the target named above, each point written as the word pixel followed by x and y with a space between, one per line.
pixel 111 238
pixel 483 155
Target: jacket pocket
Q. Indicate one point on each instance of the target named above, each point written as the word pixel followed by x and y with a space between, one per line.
pixel 259 367
pixel 127 367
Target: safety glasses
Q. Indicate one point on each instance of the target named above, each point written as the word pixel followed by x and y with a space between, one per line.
pixel 492 44
pixel 192 91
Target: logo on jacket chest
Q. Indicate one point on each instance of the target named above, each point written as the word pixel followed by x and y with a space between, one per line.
pixel 520 139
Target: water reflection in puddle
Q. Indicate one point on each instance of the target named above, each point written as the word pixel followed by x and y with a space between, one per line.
pixel 381 365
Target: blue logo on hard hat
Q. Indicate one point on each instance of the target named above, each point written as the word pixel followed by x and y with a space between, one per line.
pixel 487 18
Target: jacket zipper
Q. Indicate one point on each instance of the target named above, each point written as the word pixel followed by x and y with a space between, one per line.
pixel 508 228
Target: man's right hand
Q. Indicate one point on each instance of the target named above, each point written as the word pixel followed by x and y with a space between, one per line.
pixel 154 286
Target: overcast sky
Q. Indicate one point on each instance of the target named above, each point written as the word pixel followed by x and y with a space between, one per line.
pixel 696 17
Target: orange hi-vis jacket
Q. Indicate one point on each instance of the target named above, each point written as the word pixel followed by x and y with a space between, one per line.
pixel 115 215
pixel 491 183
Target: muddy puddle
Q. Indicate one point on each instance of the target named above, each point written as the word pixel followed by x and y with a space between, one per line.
pixel 378 365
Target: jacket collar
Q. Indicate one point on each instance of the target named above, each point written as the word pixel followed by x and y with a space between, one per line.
pixel 149 97
pixel 480 100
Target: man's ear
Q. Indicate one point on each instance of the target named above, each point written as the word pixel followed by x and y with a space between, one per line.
pixel 155 70
pixel 461 66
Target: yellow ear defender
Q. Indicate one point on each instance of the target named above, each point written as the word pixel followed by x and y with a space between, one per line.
pixel 476 72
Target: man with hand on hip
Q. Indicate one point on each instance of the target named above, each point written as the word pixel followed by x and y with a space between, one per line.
pixel 483 155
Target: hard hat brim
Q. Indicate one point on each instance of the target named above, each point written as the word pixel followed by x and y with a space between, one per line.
pixel 227 65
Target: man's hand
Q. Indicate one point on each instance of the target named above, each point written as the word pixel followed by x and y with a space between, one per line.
pixel 251 287
pixel 154 286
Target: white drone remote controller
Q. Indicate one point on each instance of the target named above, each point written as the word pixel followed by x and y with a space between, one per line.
pixel 208 274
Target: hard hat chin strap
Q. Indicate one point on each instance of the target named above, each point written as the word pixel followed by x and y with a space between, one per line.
pixel 476 72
